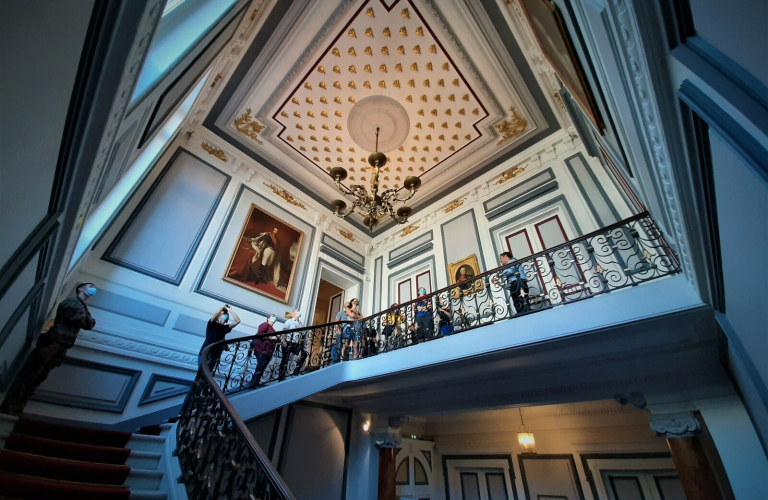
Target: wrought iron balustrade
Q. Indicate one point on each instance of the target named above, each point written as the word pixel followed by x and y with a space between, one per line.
pixel 622 255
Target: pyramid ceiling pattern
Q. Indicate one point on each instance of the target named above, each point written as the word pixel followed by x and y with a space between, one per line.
pixel 390 52
pixel 460 90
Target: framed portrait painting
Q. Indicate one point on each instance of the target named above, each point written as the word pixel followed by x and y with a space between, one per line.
pixel 549 29
pixel 465 270
pixel 265 255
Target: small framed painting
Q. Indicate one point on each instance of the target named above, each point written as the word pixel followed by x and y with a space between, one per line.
pixel 465 270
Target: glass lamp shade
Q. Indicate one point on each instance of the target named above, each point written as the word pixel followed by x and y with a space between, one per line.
pixel 526 441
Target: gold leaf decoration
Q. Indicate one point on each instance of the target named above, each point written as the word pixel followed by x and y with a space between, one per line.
pixel 417 49
pixel 308 100
pixel 310 114
pixel 433 112
pixel 409 98
pixel 441 83
pixel 351 99
pixel 455 82
pixel 445 66
pixel 420 112
pixel 322 85
pixel 448 111
pixel 336 52
pixel 398 67
pixel 352 33
pixel 295 100
pixel 370 12
pixel 337 100
pixel 411 83
pixel 437 98
pixel 352 85
pixel 367 68
pixel 385 51
pixel 382 84
pixel 284 114
pixel 433 49
pixel 338 113
pixel 465 97
pixel 336 85
pixel 368 51
pixel 510 174
pixel 336 69
pixel 475 111
pixel 367 84
pixel 218 153
pixel 414 67
pixel 396 84
pixel 369 32
pixel 423 98
pixel 321 69
pixel 324 100
pixel 425 83
pixel 282 193
pixel 419 31
pixel 461 112
pixel 418 125
pixel 386 32
pixel 351 51
pixel 431 125
pixel 347 235
pixel 403 31
pixel 509 129
pixel 408 230
pixel 428 66
pixel 405 14
pixel 249 127
pixel 352 69
pixel 383 68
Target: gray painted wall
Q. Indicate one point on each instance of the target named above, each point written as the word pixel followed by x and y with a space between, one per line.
pixel 308 431
pixel 40 47
pixel 736 28
pixel 161 236
pixel 461 238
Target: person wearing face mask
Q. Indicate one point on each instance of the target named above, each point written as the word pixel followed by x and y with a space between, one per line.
pixel 262 348
pixel 515 282
pixel 51 349
pixel 293 344
pixel 220 324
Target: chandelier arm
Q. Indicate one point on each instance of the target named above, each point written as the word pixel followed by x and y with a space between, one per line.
pixel 413 192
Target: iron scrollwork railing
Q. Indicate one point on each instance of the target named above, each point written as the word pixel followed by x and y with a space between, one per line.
pixel 622 255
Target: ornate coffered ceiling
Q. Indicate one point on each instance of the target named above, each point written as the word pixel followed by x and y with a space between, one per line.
pixel 465 97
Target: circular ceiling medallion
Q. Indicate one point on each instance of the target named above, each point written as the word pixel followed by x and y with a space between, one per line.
pixel 382 112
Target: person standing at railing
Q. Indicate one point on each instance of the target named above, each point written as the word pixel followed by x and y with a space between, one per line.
pixel 352 333
pixel 425 320
pixel 262 349
pixel 51 349
pixel 444 323
pixel 292 344
pixel 220 324
pixel 392 322
pixel 515 283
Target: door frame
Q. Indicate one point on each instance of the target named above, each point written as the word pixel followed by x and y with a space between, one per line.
pixel 329 316
pixel 593 463
pixel 503 462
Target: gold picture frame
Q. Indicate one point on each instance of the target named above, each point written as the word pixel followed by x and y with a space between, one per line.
pixel 471 268
pixel 264 260
pixel 548 27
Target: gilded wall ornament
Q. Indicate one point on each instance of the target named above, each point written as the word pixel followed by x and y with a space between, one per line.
pixel 282 193
pixel 349 236
pixel 454 205
pixel 510 174
pixel 249 127
pixel 218 153
pixel 509 129
pixel 408 230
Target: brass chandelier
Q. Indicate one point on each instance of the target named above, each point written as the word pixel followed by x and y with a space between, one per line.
pixel 372 206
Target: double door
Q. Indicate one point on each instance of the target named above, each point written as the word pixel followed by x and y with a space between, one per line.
pixel 643 485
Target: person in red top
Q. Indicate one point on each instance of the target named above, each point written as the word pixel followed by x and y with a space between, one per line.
pixel 262 349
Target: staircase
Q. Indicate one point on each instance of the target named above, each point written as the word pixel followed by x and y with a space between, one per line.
pixel 44 460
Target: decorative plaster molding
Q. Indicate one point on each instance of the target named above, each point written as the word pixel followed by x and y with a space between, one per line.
pixel 288 197
pixel 655 143
pixel 131 347
pixel 675 425
pixel 214 151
